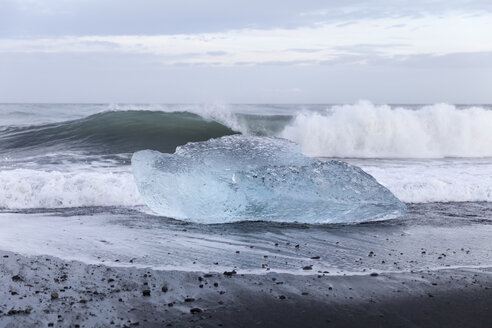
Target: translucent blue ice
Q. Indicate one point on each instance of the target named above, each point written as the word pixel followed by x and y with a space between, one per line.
pixel 244 178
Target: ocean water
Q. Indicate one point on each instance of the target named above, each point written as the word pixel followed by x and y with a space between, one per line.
pixel 66 186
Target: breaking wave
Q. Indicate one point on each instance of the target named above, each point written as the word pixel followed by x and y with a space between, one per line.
pixel 114 132
pixel 365 130
pixel 361 130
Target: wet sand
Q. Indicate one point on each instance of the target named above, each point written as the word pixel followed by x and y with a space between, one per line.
pixel 44 291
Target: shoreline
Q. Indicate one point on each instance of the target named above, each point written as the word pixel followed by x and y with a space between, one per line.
pixel 45 291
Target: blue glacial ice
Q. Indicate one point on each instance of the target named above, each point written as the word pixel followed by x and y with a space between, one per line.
pixel 245 178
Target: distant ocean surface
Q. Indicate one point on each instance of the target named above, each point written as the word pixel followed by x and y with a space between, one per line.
pixel 66 186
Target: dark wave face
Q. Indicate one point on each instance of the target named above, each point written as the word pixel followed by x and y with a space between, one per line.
pixel 114 133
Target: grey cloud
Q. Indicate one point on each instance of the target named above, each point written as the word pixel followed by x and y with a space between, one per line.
pixel 453 60
pixel 244 63
pixel 196 64
pixel 470 60
pixel 369 48
pixel 118 17
pixel 397 26
pixel 217 53
pixel 304 50
pixel 101 44
pixel 346 24
pixel 277 63
pixel 185 55
pixel 288 63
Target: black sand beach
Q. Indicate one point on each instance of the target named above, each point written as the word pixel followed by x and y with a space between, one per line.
pixel 121 268
pixel 47 292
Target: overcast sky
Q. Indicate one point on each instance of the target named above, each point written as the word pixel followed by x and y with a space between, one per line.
pixel 255 51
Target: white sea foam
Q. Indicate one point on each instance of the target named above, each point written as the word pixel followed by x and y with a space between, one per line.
pixel 412 181
pixel 424 181
pixel 371 131
pixel 27 188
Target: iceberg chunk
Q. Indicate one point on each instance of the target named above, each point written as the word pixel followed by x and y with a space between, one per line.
pixel 244 178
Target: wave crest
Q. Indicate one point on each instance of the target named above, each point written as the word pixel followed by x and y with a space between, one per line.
pixel 114 132
pixel 366 130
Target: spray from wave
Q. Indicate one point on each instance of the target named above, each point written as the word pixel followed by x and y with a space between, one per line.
pixel 365 130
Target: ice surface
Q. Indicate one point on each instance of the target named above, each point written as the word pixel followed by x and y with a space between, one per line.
pixel 244 178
